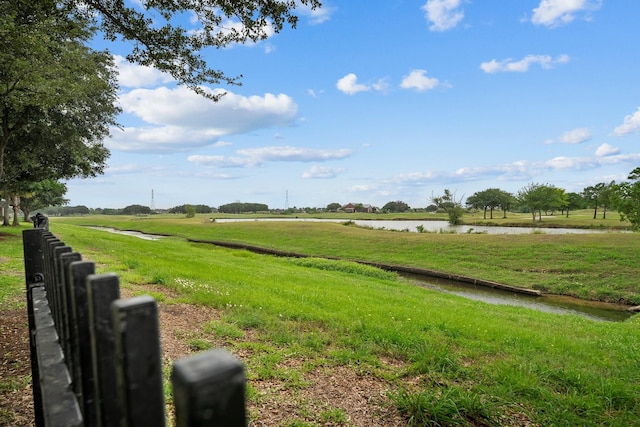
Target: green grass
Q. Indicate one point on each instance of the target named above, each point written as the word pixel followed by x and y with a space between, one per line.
pixel 460 362
pixel 12 280
pixel 589 266
pixel 473 362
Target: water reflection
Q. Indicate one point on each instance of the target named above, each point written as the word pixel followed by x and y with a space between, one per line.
pixel 551 304
pixel 430 226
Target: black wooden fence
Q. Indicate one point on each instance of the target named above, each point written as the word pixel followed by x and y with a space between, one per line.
pixel 95 358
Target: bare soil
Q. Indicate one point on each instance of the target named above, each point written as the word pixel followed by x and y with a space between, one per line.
pixel 359 398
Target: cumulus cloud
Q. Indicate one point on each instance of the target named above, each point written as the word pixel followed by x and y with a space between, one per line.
pixel 322 172
pixel 180 120
pixel 575 136
pixel 631 124
pixel 349 85
pixel 443 15
pixel 606 150
pixel 135 76
pixel 417 79
pixel 315 16
pixel 520 170
pixel 250 157
pixel 554 13
pixel 510 65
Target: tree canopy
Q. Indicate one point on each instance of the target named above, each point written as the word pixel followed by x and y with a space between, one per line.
pixel 627 199
pixel 159 37
pixel 57 97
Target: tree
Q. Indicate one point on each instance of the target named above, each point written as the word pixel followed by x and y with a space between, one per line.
pixel 136 210
pixel 574 201
pixel 537 198
pixel 626 199
pixel 190 210
pixel 43 194
pixel 490 199
pixel 160 42
pixel 397 206
pixel 332 207
pixel 599 195
pixel 57 97
pixel 448 203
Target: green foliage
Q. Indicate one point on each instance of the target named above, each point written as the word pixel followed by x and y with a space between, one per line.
pixel 136 210
pixel 452 406
pixel 158 41
pixel 238 207
pixel 538 197
pixel 627 199
pixel 444 359
pixel 448 203
pixel 190 211
pixel 397 206
pixel 58 97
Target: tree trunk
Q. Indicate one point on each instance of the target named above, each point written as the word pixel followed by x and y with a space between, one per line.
pixel 16 210
pixel 485 212
pixel 491 212
pixel 595 211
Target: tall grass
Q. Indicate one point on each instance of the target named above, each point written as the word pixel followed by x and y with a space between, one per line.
pixel 460 362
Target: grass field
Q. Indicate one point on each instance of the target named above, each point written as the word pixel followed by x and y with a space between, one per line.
pixel 600 267
pixel 446 360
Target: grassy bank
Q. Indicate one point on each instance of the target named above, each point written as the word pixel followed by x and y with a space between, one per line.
pixel 600 267
pixel 444 360
pixel 453 360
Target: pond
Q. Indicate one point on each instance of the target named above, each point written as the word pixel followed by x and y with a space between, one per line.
pixel 430 226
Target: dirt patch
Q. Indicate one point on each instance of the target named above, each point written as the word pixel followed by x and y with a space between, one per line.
pixel 330 395
pixel 16 398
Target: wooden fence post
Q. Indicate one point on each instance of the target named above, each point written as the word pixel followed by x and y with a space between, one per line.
pixel 102 290
pixel 138 362
pixel 209 390
pixel 34 277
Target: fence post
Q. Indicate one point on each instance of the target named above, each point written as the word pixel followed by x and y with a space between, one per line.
pixel 138 362
pixel 34 277
pixel 77 273
pixel 59 404
pixel 70 343
pixel 209 390
pixel 102 290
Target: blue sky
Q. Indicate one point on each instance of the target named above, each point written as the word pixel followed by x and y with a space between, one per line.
pixel 376 101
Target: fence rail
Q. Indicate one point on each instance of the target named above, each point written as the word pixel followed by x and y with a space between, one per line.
pixel 96 360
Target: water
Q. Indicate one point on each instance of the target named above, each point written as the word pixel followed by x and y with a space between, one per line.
pixel 551 304
pixel 430 226
pixel 137 234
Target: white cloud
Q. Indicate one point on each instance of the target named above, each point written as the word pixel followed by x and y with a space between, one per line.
pixel 553 13
pixel 250 157
pixel 606 150
pixel 293 154
pixel 575 136
pixel 349 85
pixel 180 120
pixel 631 124
pixel 417 79
pixel 322 172
pixel 316 16
pixel 443 14
pixel 135 76
pixel 509 65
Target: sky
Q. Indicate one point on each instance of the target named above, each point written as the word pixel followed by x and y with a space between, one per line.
pixel 372 101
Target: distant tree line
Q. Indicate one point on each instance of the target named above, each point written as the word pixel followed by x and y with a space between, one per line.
pixel 238 207
pixel 183 209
